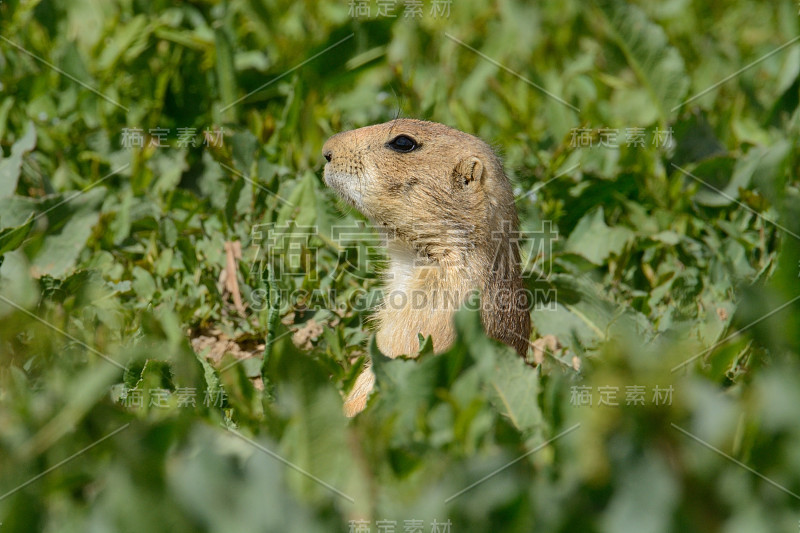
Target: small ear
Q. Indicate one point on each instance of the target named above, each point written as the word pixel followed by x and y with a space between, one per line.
pixel 468 170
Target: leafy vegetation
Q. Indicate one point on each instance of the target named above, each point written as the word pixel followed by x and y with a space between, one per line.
pixel 152 151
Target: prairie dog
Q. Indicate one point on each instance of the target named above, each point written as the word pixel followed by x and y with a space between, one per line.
pixel 445 205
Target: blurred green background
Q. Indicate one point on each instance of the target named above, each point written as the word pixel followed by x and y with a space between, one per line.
pixel 139 137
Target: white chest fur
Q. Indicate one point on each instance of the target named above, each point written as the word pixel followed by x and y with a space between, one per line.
pixel 420 297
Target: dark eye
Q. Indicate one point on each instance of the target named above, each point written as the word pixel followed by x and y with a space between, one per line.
pixel 402 143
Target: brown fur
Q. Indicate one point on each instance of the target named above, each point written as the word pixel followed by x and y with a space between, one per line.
pixel 449 217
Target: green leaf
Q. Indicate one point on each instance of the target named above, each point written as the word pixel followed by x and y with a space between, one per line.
pixel 237 483
pixel 514 392
pixel 233 198
pixel 722 173
pixel 635 510
pixel 123 38
pixel 82 395
pixel 301 205
pixel 226 75
pixel 59 252
pixel 143 283
pixel 596 241
pixel 773 169
pixel 658 66
pixel 10 166
pixel 168 167
pixel 581 315
pixel 12 238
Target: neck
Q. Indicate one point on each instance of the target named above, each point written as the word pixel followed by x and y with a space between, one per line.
pixel 422 293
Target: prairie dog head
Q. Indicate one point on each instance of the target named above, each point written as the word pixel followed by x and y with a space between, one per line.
pixel 440 190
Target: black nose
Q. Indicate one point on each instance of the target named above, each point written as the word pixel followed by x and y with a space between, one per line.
pixel 327 155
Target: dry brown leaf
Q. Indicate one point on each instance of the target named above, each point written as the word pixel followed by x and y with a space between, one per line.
pixel 303 337
pixel 542 345
pixel 228 276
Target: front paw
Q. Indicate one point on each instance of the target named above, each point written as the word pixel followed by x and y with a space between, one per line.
pixel 357 399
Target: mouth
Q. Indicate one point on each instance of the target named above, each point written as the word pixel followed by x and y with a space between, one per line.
pixel 325 176
pixel 342 184
pixel 333 180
